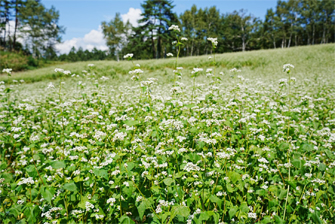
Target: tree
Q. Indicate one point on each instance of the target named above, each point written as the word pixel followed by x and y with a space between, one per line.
pixel 116 33
pixel 39 25
pixel 156 19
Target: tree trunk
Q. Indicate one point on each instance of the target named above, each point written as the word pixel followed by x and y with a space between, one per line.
pixel 243 38
pixel 313 37
pixel 324 35
pixel 192 48
pixel 153 44
pixel 289 41
pixel 274 41
pixel 16 23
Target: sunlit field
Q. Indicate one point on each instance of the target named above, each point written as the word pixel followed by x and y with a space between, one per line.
pixel 238 137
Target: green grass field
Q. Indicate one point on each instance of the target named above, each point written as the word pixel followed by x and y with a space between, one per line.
pixel 172 145
pixel 309 60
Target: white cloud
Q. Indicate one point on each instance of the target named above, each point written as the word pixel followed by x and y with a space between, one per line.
pixel 132 15
pixel 94 38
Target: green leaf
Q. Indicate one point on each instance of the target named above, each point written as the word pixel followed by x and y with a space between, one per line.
pixel 282 194
pixel 232 212
pixel 215 199
pixel 267 219
pixel 284 146
pixel 14 212
pixel 141 209
pixel 319 194
pixel 101 173
pixel 58 164
pixel 204 216
pixel 70 186
pixel 234 176
pixel 131 122
pixel 329 154
pixel 48 193
pixel 296 163
pixel 168 181
pixel 183 211
pixel 316 218
pixel 31 170
pixel 8 177
pixel 125 220
pixel 322 167
pixel 261 192
pixel 307 147
pixel 244 207
pixel 279 220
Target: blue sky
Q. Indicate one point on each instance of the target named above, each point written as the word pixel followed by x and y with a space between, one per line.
pixel 82 18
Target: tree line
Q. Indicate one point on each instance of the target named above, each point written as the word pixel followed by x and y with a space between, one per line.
pixel 33 22
pixel 290 23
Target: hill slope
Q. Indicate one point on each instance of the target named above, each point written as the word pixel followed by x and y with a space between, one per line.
pixel 315 59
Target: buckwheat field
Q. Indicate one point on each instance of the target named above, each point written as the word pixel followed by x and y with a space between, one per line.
pixel 232 138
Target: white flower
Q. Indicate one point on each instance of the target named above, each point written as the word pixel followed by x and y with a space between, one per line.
pixel 7 70
pixel 287 68
pixel 59 70
pixel 130 55
pixel 235 70
pixel 213 40
pixel 174 27
pixel 183 38
pixel 252 215
pixel 169 54
pixel 88 206
pixel 195 70
pixel 90 65
pixel 111 201
pixel 67 72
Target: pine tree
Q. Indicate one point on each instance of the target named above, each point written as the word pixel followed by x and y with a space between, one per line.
pixel 116 33
pixel 157 17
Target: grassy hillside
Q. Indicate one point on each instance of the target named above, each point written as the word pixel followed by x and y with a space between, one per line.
pixel 316 60
pixel 20 62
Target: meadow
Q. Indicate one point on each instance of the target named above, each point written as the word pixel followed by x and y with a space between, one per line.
pixel 230 138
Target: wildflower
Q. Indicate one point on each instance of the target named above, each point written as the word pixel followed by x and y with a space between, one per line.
pixel 174 27
pixel 88 206
pixel 235 70
pixel 111 201
pixel 213 40
pixel 130 55
pixel 7 70
pixel 252 215
pixel 59 70
pixel 183 38
pixel 90 65
pixel 196 70
pixel 66 72
pixel 286 68
pixel 169 54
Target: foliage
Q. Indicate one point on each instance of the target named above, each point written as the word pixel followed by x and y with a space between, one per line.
pixel 249 147
pixel 291 23
pixel 37 25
